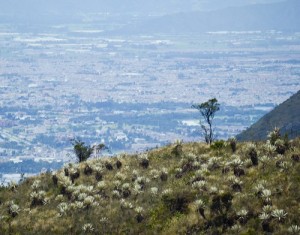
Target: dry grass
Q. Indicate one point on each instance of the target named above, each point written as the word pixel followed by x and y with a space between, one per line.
pixel 179 189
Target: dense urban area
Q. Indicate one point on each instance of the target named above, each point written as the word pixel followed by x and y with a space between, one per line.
pixel 132 92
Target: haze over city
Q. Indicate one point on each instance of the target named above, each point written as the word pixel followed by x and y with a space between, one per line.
pixel 125 73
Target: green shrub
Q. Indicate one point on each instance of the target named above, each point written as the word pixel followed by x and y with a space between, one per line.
pixel 218 145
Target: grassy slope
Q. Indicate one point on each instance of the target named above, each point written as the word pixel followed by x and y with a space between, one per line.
pixel 285 116
pixel 161 196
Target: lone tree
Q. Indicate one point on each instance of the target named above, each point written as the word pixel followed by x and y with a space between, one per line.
pixel 83 151
pixel 208 110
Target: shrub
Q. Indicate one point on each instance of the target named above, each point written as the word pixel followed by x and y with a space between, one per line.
pixel 87 228
pixel 221 203
pixel 74 174
pixel 82 151
pixel 98 175
pixel 280 146
pixel 126 190
pixel 279 215
pixel 296 157
pixel 109 166
pixel 118 164
pixel 232 143
pixel 144 162
pixel 266 220
pixel 218 145
pixel 242 216
pixel 37 198
pixel 66 170
pixel 238 171
pixel 177 202
pixel 63 208
pixel 200 206
pixel 13 209
pixel 236 185
pixel 237 164
pixel 274 135
pixel 294 229
pixel 139 216
pixel 88 170
pixel 54 179
pixel 177 149
pixel 164 174
pixel 252 153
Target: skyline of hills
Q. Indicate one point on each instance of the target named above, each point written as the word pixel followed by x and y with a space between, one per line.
pixel 45 12
pixel 281 16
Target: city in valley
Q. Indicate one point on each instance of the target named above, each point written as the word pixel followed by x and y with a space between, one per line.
pixel 132 93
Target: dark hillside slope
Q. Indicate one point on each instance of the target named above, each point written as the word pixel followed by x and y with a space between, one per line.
pixel 286 117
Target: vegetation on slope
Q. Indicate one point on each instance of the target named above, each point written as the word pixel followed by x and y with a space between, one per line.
pixel 285 116
pixel 228 188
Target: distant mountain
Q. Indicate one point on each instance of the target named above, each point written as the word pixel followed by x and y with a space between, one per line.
pixel 68 11
pixel 283 16
pixel 286 116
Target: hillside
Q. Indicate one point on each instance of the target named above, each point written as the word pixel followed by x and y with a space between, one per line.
pixel 282 16
pixel 285 116
pixel 179 189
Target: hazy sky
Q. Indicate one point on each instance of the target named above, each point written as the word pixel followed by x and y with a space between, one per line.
pixel 34 6
pixel 71 11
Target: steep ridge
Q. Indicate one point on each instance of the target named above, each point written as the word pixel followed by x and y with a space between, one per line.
pixel 285 116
